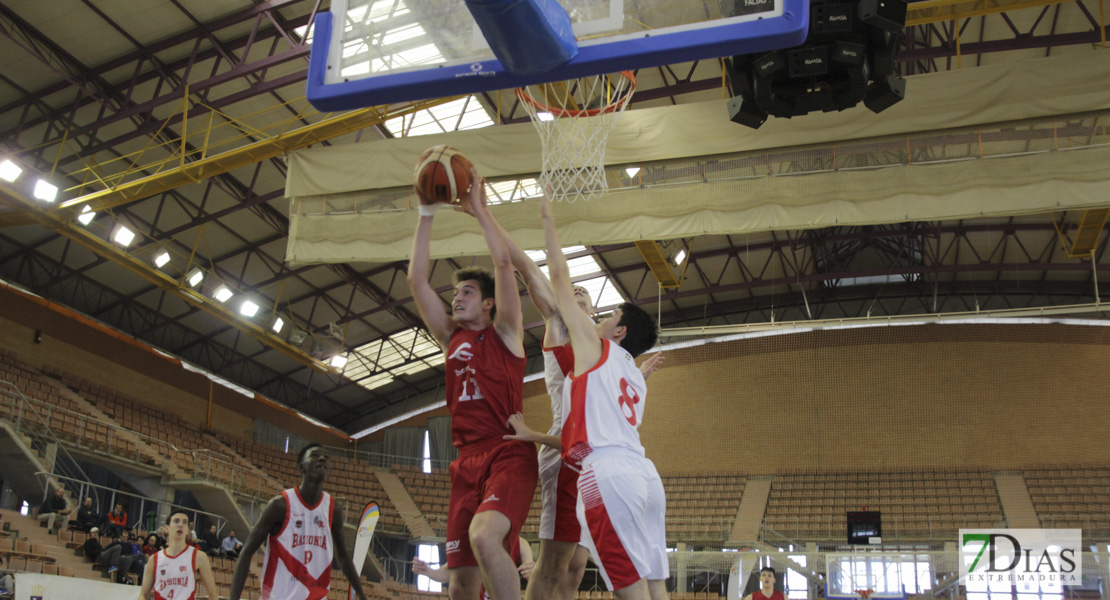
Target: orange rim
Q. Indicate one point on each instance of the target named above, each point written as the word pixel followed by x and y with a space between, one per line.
pixel 524 96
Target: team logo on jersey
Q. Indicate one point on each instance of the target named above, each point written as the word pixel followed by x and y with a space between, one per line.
pixel 452 546
pixel 162 572
pixel 298 523
pixel 462 352
pixel 318 521
pixel 182 568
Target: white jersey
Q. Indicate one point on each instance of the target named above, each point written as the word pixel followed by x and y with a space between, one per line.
pixel 298 559
pixel 175 577
pixel 558 362
pixel 604 406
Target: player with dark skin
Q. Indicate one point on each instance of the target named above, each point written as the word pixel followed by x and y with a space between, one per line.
pixel 315 468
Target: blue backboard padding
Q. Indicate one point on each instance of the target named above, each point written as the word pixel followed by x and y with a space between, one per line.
pixel 650 49
pixel 550 40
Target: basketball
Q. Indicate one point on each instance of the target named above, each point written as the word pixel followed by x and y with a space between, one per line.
pixel 442 175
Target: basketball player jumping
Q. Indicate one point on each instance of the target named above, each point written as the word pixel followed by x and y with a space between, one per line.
pixel 303 531
pixel 621 504
pixel 493 480
pixel 562 560
pixel 172 574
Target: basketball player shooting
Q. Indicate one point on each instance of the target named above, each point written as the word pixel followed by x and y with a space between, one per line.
pixel 303 531
pixel 493 480
pixel 621 504
pixel 172 574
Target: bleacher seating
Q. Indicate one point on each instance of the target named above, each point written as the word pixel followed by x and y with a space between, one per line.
pixel 430 492
pixel 702 507
pixel 1072 498
pixel 916 505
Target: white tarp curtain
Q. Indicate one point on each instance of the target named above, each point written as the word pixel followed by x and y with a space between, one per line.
pixel 30 586
pixel 1066 84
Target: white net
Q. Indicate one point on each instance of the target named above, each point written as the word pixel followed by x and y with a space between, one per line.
pixel 573 119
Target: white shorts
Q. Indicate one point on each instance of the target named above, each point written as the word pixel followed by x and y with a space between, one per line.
pixel 559 495
pixel 622 509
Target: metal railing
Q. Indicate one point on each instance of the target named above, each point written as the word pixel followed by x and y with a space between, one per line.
pixel 246 481
pixel 160 508
pixel 86 432
pixel 28 419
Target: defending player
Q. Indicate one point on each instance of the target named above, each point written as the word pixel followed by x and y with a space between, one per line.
pixel 621 502
pixel 303 531
pixel 493 480
pixel 172 574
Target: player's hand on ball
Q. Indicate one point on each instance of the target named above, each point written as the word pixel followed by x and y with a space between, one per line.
pixel 476 199
pixel 526 569
pixel 651 364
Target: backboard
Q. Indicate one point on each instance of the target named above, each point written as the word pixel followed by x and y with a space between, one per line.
pixel 876 575
pixel 378 52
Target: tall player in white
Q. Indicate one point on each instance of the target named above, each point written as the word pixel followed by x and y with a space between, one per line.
pixel 562 560
pixel 621 503
pixel 303 531
pixel 172 574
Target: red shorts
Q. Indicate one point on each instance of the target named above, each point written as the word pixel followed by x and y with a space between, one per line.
pixel 559 490
pixel 490 475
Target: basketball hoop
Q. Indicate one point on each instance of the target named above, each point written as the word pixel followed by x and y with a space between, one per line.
pixel 574 119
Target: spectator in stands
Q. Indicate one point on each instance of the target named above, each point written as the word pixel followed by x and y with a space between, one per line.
pixel 113 558
pixel 117 521
pixel 55 506
pixel 131 550
pixel 210 542
pixel 193 530
pixel 151 547
pixel 7 586
pixel 231 545
pixel 163 536
pixel 87 517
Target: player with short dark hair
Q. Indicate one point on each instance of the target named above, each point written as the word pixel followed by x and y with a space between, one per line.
pixel 767 589
pixel 303 531
pixel 493 480
pixel 172 573
pixel 621 503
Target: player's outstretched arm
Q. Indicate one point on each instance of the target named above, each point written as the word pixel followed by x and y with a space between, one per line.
pixel 428 302
pixel 509 318
pixel 420 567
pixel 583 336
pixel 272 518
pixel 651 364
pixel 148 580
pixel 204 568
pixel 341 556
pixel 525 433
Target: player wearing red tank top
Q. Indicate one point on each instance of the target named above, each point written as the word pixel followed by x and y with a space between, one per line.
pixel 172 574
pixel 303 575
pixel 767 589
pixel 493 480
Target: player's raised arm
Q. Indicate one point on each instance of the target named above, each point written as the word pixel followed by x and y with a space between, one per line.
pixel 428 302
pixel 583 337
pixel 272 517
pixel 509 319
pixel 341 556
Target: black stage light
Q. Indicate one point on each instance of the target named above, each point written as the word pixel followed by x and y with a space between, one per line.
pixel 849 56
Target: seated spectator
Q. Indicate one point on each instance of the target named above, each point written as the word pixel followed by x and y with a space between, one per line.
pixel 117 521
pixel 87 518
pixel 231 545
pixel 131 550
pixel 151 546
pixel 53 507
pixel 111 557
pixel 210 543
pixel 193 530
pixel 191 541
pixel 163 536
pixel 7 586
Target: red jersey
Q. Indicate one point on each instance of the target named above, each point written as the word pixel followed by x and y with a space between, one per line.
pixel 776 595
pixel 485 385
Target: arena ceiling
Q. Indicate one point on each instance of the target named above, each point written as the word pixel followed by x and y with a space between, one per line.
pixel 97 93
